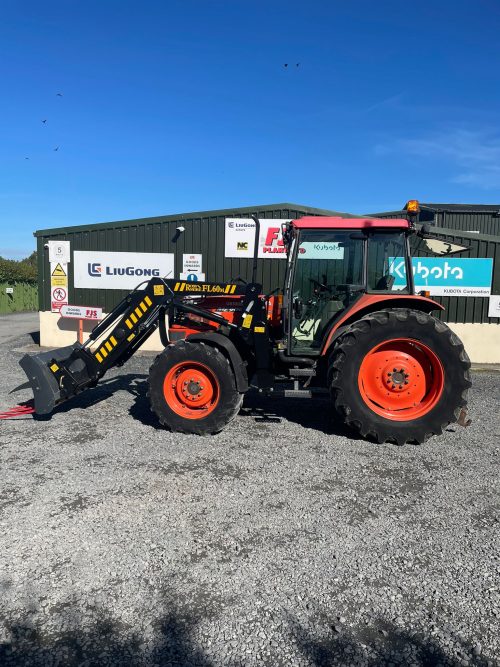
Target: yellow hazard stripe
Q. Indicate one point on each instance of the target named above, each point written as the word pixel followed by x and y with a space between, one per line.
pixel 129 323
pixel 133 318
pixel 98 357
pixel 228 289
pixel 138 312
pixel 113 340
pixel 132 335
pixel 109 347
pixel 103 352
pixel 176 288
pixel 143 306
pixel 233 289
pixel 148 300
pixel 183 287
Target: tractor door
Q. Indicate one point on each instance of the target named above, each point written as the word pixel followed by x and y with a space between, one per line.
pixel 326 277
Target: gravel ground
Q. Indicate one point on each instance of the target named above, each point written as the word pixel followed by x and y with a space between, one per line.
pixel 273 543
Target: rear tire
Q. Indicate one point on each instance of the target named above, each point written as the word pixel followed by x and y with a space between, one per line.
pixel 192 389
pixel 398 375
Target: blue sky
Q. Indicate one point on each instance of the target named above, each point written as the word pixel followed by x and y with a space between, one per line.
pixel 185 105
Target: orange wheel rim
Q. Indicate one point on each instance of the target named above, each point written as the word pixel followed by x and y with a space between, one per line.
pixel 401 379
pixel 191 390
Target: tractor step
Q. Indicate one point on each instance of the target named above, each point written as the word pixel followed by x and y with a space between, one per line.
pixel 302 372
pixel 297 393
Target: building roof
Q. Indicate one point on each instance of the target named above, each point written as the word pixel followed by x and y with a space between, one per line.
pixel 449 208
pixel 238 210
pixel 464 208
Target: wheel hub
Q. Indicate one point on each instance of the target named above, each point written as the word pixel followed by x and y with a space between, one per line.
pixel 398 377
pixel 193 387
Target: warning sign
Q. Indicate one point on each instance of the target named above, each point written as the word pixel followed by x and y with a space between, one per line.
pixel 59 274
pixel 58 298
pixel 58 285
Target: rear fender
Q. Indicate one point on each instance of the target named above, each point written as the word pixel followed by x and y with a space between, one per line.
pixel 369 303
pixel 229 348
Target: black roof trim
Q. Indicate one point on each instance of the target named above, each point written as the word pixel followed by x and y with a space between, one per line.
pixel 463 207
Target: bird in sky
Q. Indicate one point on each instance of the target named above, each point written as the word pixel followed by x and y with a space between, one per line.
pixel 44 121
pixel 297 64
pixel 285 65
pixel 56 148
pixel 26 158
pixel 59 95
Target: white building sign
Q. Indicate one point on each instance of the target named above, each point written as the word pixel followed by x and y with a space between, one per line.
pixel 494 306
pixel 59 251
pixel 120 270
pixel 240 238
pixel 81 312
pixel 191 263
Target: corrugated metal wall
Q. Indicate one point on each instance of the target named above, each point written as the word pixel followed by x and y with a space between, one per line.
pixel 484 222
pixel 464 309
pixel 203 234
pixel 470 309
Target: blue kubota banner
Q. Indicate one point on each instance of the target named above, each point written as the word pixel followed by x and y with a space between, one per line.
pixel 443 276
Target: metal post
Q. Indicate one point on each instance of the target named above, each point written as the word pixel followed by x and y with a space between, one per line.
pixel 80 331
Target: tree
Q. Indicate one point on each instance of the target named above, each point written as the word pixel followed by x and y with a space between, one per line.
pixel 24 270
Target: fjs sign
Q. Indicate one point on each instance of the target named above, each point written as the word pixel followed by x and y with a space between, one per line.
pixel 240 238
pixel 443 276
pixel 120 270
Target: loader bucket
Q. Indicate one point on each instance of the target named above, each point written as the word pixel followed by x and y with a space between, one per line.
pixel 46 390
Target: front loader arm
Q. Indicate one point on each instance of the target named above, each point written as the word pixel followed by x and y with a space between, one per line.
pixel 57 375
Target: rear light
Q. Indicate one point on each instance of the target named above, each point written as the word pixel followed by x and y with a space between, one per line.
pixel 425 293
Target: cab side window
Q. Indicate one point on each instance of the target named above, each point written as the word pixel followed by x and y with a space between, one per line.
pixel 386 263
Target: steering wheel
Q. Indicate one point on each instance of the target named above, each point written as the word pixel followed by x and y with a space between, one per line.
pixel 322 287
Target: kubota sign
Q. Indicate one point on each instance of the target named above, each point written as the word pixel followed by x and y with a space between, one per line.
pixel 119 270
pixel 446 276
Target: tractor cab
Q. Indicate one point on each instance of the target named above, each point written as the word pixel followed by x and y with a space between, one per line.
pixel 332 263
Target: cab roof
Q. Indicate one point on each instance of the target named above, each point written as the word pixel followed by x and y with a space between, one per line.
pixel 320 222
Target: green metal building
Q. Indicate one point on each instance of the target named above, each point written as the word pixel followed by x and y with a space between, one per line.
pixel 475 218
pixel 203 233
pixel 476 227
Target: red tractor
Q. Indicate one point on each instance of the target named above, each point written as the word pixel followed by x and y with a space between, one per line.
pixel 347 323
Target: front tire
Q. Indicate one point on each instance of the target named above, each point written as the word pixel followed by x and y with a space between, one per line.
pixel 398 375
pixel 192 389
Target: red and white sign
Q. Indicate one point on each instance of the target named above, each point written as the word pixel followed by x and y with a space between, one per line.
pixel 240 238
pixel 81 312
pixel 58 298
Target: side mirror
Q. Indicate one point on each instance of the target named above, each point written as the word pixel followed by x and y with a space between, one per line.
pixel 424 231
pixel 286 234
